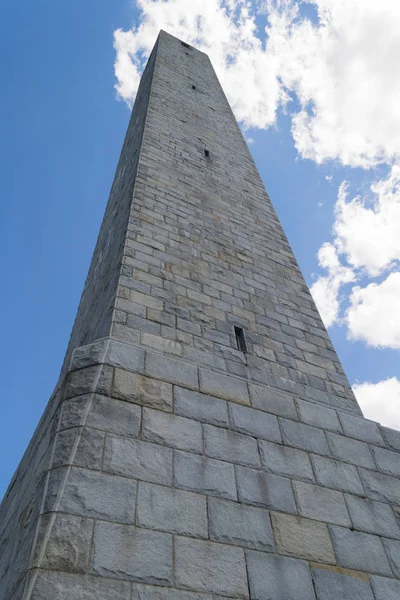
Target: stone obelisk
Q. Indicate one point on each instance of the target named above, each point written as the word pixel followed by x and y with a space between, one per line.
pixel 203 441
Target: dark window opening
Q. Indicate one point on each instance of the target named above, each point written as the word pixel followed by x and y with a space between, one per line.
pixel 185 44
pixel 193 87
pixel 240 339
pixel 206 153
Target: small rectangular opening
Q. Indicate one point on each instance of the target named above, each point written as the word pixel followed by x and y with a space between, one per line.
pixel 206 153
pixel 240 339
pixel 193 87
pixel 185 44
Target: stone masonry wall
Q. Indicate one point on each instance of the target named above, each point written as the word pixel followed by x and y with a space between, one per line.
pixel 170 465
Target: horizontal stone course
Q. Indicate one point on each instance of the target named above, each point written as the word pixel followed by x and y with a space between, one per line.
pixel 223 386
pixel 200 407
pixel 254 422
pixel 231 446
pixel 204 475
pixel 171 430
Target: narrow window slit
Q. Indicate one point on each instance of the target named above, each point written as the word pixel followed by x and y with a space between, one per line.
pixel 193 87
pixel 185 44
pixel 206 153
pixel 240 339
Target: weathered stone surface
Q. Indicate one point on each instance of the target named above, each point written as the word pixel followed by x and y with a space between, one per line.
pixel 302 538
pixel 67 586
pixel 387 461
pixel 330 585
pixel 82 447
pixel 264 489
pixel 87 356
pixel 204 475
pixel 137 459
pixel 240 525
pixel 142 390
pixel 223 386
pixel 231 446
pixel 361 429
pixel 278 578
pixel 125 356
pixel 372 517
pixel 254 422
pixel 126 552
pixel 122 418
pixel 94 494
pixel 352 451
pixel 319 416
pixel 149 592
pixel 359 551
pixel 167 509
pixel 385 589
pixel 286 461
pixel 338 475
pixel 392 437
pixel 92 379
pixel 272 401
pixel 303 437
pixel 210 567
pixel 63 543
pixel 392 548
pixel 171 370
pixel 170 430
pixel 200 407
pixel 380 487
pixel 321 504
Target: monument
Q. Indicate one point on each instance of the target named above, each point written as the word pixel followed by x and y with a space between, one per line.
pixel 203 441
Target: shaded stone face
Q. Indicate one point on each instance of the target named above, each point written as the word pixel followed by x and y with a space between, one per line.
pixel 202 442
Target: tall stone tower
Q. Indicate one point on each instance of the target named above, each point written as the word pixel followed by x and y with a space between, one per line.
pixel 203 441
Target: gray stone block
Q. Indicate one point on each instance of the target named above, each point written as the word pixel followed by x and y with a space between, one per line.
pixel 340 586
pixel 126 552
pixel 231 446
pixel 171 370
pixel 224 386
pixel 240 525
pixel 352 451
pixel 272 401
pixel 149 592
pixel 167 509
pixel 91 379
pixel 380 487
pixel 68 586
pixel 255 422
pixel 302 538
pixel 114 416
pixel 359 551
pixel 264 489
pixel 321 504
pixel 204 475
pixel 372 517
pixel 63 543
pixel 125 356
pixel 392 548
pixel 137 459
pixel 82 447
pixel 318 416
pixel 136 388
pixel 361 429
pixel 286 461
pixel 210 567
pixel 387 461
pixel 392 438
pixel 337 475
pixel 170 430
pixel 385 589
pixel 278 578
pixel 200 407
pixel 94 494
pixel 86 356
pixel 304 437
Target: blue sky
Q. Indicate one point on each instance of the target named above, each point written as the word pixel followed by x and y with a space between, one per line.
pixel 63 127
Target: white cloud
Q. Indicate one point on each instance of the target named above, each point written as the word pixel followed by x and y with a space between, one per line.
pixel 367 230
pixel 380 401
pixel 373 315
pixel 325 290
pixel 337 67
